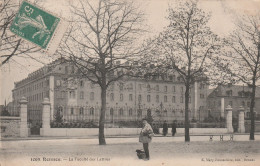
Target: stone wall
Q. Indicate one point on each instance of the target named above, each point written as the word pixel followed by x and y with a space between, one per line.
pixel 10 126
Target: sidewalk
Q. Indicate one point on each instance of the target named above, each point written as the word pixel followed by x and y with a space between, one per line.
pixel 36 137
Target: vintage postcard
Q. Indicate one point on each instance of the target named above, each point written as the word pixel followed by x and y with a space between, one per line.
pixel 130 82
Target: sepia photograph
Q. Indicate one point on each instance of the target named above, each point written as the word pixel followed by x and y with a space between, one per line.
pixel 130 82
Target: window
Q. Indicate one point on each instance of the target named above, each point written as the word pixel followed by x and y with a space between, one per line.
pixel 72 94
pixel 157 88
pixel 139 97
pixel 181 99
pixel 173 89
pixel 231 103
pixel 243 103
pixel 248 103
pixel 121 97
pixel 91 111
pixel 189 99
pixel 71 111
pixel 112 97
pixel 165 98
pixel 130 87
pixel 111 111
pixel 121 111
pixel 92 97
pixel 165 88
pixel 165 112
pixel 81 110
pixel 148 88
pixel 47 94
pixel 202 96
pixel 149 113
pixel 81 83
pixel 92 85
pixel 121 86
pixel 81 95
pixel 130 112
pixel 140 86
pixel 173 99
pixel 157 98
pixel 182 90
pixel 130 97
pixel 148 98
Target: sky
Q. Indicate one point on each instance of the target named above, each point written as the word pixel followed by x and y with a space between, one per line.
pixel 221 22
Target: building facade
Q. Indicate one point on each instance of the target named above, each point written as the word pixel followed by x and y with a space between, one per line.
pixel 129 99
pixel 234 95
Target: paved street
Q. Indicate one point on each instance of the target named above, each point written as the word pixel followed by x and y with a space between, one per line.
pixel 121 151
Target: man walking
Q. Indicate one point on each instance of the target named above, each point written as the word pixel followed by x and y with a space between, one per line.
pixel 145 137
pixel 165 128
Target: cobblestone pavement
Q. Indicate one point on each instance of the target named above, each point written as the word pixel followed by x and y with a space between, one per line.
pixel 121 151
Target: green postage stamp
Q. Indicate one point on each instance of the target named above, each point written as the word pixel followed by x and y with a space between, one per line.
pixel 38 26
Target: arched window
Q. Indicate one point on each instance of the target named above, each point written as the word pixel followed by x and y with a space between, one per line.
pixel 121 97
pixel 165 112
pixel 91 111
pixel 157 88
pixel 165 98
pixel 148 88
pixel 130 112
pixel 139 97
pixel 112 97
pixel 130 87
pixel 121 111
pixel 111 111
pixel 81 110
pixel 71 111
pixel 148 98
pixel 157 98
pixel 149 113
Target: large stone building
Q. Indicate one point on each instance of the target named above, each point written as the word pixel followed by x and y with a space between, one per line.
pixel 128 99
pixel 235 96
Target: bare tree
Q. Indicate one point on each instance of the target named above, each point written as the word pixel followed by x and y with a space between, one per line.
pixel 100 43
pixel 185 45
pixel 241 57
pixel 10 44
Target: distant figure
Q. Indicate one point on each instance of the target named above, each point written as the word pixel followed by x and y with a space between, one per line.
pixel 165 128
pixel 145 137
pixel 173 128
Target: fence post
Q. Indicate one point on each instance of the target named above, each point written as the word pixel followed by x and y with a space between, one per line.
pixel 46 113
pixel 222 111
pixel 24 131
pixel 229 119
pixel 241 120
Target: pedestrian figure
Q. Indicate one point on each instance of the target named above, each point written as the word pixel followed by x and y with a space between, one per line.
pixel 145 137
pixel 165 128
pixel 173 128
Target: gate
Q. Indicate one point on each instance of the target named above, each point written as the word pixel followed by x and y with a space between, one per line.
pixel 34 119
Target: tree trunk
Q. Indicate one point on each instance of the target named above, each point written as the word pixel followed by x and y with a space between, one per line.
pixel 101 135
pixel 252 115
pixel 187 122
